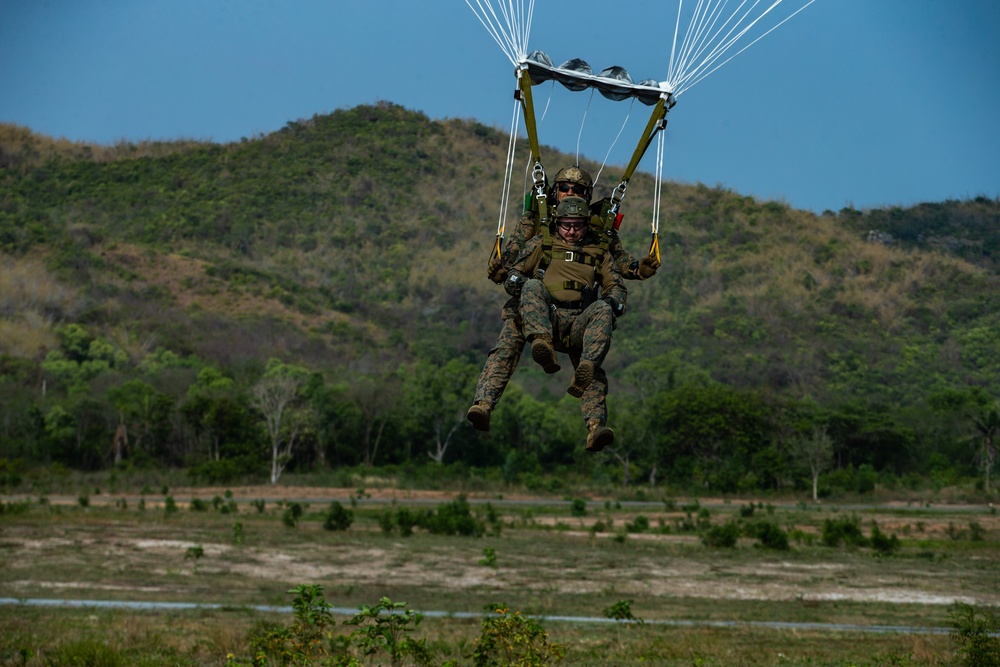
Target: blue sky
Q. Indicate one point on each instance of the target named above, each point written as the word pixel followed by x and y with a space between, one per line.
pixel 862 103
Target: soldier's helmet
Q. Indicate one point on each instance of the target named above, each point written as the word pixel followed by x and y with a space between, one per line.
pixel 573 207
pixel 578 176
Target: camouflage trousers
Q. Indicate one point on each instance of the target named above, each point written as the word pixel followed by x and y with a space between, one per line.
pixel 582 335
pixel 503 358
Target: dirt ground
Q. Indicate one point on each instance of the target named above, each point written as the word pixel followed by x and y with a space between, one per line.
pixel 120 558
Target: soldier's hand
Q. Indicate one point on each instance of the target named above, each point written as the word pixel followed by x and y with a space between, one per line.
pixel 496 271
pixel 648 266
pixel 514 283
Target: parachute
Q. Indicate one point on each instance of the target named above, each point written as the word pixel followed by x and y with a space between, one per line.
pixel 705 38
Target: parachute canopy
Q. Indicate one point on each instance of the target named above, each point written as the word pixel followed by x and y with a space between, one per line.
pixel 615 83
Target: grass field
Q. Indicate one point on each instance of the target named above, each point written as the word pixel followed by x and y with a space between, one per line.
pixel 753 602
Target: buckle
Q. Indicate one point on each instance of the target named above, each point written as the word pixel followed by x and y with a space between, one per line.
pixel 569 256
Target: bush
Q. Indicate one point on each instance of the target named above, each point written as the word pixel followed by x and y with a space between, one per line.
pixel 882 543
pixel 976 632
pixel 843 530
pixel 771 536
pixel 454 518
pixel 508 638
pixel 338 517
pixel 723 536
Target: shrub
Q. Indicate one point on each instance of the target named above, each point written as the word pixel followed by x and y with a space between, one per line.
pixel 578 507
pixel 771 536
pixel 843 530
pixel 338 517
pixel 723 536
pixel 976 631
pixel 508 638
pixel 882 543
pixel 454 518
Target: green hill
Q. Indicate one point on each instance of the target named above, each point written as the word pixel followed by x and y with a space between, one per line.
pixel 354 244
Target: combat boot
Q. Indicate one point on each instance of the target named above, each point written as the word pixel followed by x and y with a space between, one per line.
pixel 479 415
pixel 582 378
pixel 600 436
pixel 544 354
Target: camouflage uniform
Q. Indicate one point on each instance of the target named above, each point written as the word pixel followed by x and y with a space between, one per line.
pixel 551 309
pixel 502 360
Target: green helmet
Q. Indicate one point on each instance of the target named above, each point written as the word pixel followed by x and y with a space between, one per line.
pixel 573 207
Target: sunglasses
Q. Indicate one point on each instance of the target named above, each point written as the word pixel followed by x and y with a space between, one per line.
pixel 578 190
pixel 572 226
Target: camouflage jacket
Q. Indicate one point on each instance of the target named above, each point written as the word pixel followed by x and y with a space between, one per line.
pixel 527 228
pixel 572 267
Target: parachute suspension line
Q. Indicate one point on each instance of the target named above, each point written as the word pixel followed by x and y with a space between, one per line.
pixel 583 121
pixel 760 37
pixel 654 244
pixel 613 143
pixel 511 29
pixel 707 41
pixel 507 178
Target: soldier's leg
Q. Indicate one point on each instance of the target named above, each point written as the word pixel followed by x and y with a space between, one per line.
pixel 590 335
pixel 498 369
pixel 594 407
pixel 500 363
pixel 536 314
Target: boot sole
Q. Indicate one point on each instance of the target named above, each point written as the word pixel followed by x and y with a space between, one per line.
pixel 582 379
pixel 544 356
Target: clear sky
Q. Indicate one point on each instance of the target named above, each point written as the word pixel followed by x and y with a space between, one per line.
pixel 862 103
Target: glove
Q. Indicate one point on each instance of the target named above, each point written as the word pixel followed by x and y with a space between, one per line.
pixel 648 266
pixel 515 281
pixel 617 308
pixel 495 270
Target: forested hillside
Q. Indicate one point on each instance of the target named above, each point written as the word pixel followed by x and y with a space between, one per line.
pixel 165 292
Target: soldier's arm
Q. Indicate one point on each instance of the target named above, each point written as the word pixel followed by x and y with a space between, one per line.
pixel 524 265
pixel 613 288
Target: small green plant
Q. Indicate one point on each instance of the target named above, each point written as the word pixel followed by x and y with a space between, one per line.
pixel 194 553
pixel 578 507
pixel 170 505
pixel 386 627
pixel 83 500
pixel 621 611
pixel 259 505
pixel 508 638
pixel 297 644
pixel 338 517
pixel 639 525
pixel 199 505
pixel 489 558
pixel 239 536
pixel 884 545
pixel 290 517
pixel 976 632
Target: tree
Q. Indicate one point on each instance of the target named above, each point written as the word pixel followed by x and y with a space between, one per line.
pixel 987 429
pixel 439 396
pixel 375 400
pixel 272 396
pixel 815 453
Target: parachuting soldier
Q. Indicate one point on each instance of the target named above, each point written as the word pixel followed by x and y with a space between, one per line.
pixel 571 292
pixel 503 358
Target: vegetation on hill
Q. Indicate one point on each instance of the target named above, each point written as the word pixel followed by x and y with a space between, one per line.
pixel 158 291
